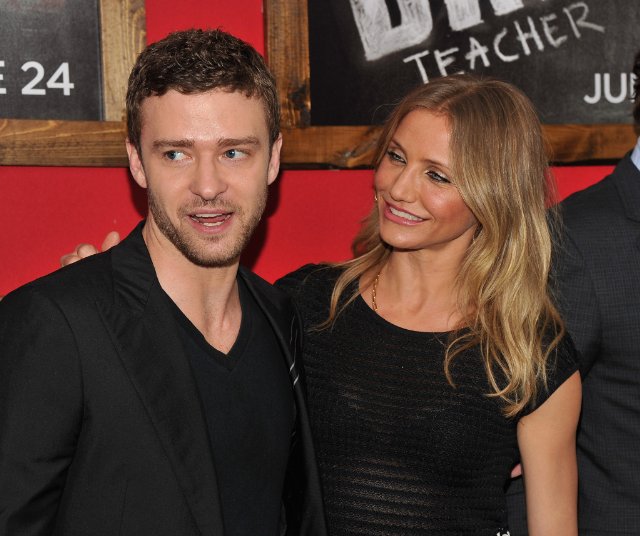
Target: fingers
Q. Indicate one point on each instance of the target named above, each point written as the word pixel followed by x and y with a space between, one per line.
pixel 68 259
pixel 110 240
pixel 81 251
pixel 86 250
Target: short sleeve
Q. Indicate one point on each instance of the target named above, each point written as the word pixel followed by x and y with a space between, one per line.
pixel 562 363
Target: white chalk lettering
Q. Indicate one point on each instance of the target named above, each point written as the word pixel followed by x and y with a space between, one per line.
pixel 597 90
pixel 3 90
pixel 442 61
pixel 377 35
pixel 602 88
pixel 496 47
pixel 623 89
pixel 60 79
pixel 30 88
pixel 523 37
pixel 381 37
pixel 581 22
pixel 476 49
pixel 510 43
pixel 549 30
pixel 463 14
pixel 418 59
pixel 504 7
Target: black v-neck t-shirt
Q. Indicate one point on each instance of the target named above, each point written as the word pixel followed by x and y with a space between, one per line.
pixel 247 399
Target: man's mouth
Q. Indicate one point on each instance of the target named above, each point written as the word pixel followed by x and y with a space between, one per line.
pixel 211 220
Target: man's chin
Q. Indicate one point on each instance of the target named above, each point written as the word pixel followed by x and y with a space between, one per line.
pixel 212 261
pixel 207 251
pixel 216 256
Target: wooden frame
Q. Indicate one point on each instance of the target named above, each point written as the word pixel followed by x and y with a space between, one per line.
pixel 348 147
pixel 86 143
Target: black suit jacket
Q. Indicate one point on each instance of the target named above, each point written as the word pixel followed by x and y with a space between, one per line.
pixel 101 425
pixel 598 286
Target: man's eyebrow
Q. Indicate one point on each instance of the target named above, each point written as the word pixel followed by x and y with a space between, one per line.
pixel 223 143
pixel 234 142
pixel 161 144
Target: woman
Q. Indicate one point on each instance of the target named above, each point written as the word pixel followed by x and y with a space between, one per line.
pixel 435 358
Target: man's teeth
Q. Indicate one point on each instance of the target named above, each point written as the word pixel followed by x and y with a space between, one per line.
pixel 219 219
pixel 404 215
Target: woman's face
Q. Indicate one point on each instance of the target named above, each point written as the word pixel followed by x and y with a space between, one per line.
pixel 419 204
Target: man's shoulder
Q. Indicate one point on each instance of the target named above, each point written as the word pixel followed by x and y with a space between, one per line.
pixel 70 292
pixel 604 200
pixel 88 276
pixel 93 278
pixel 589 198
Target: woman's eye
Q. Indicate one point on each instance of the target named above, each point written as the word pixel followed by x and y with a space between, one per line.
pixel 175 156
pixel 437 176
pixel 394 157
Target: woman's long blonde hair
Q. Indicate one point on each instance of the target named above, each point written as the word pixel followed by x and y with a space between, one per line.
pixel 499 164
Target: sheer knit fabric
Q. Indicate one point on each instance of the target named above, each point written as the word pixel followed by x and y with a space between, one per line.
pixel 401 451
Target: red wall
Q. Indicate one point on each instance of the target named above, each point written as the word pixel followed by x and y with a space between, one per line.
pixel 312 215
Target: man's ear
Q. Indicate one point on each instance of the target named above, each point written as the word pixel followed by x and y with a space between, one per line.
pixel 135 165
pixel 274 162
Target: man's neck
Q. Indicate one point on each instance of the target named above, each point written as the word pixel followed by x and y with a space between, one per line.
pixel 208 297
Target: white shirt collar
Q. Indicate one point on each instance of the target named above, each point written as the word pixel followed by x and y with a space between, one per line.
pixel 635 155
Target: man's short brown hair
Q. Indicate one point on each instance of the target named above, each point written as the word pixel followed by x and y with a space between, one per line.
pixel 196 61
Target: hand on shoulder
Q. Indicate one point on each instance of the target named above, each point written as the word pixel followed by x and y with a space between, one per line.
pixel 85 250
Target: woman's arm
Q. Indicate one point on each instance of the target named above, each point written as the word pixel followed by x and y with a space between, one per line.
pixel 547 441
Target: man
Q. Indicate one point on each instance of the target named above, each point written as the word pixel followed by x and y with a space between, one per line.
pixel 154 389
pixel 598 277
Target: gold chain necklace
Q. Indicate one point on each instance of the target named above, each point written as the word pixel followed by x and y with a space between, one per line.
pixel 374 289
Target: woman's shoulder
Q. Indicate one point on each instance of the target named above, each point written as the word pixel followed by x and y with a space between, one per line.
pixel 309 279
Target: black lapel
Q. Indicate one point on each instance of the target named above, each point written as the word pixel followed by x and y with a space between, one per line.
pixel 305 513
pixel 145 333
pixel 284 325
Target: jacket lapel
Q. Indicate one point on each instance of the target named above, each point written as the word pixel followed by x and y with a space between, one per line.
pixel 283 325
pixel 145 333
pixel 304 507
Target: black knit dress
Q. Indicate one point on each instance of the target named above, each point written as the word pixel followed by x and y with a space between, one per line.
pixel 400 450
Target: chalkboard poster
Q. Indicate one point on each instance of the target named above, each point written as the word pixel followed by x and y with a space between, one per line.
pixel 50 64
pixel 572 58
pixel 64 66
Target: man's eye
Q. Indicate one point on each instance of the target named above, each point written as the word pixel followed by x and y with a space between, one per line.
pixel 174 156
pixel 235 154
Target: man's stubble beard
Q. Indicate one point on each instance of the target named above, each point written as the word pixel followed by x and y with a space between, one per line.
pixel 196 250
